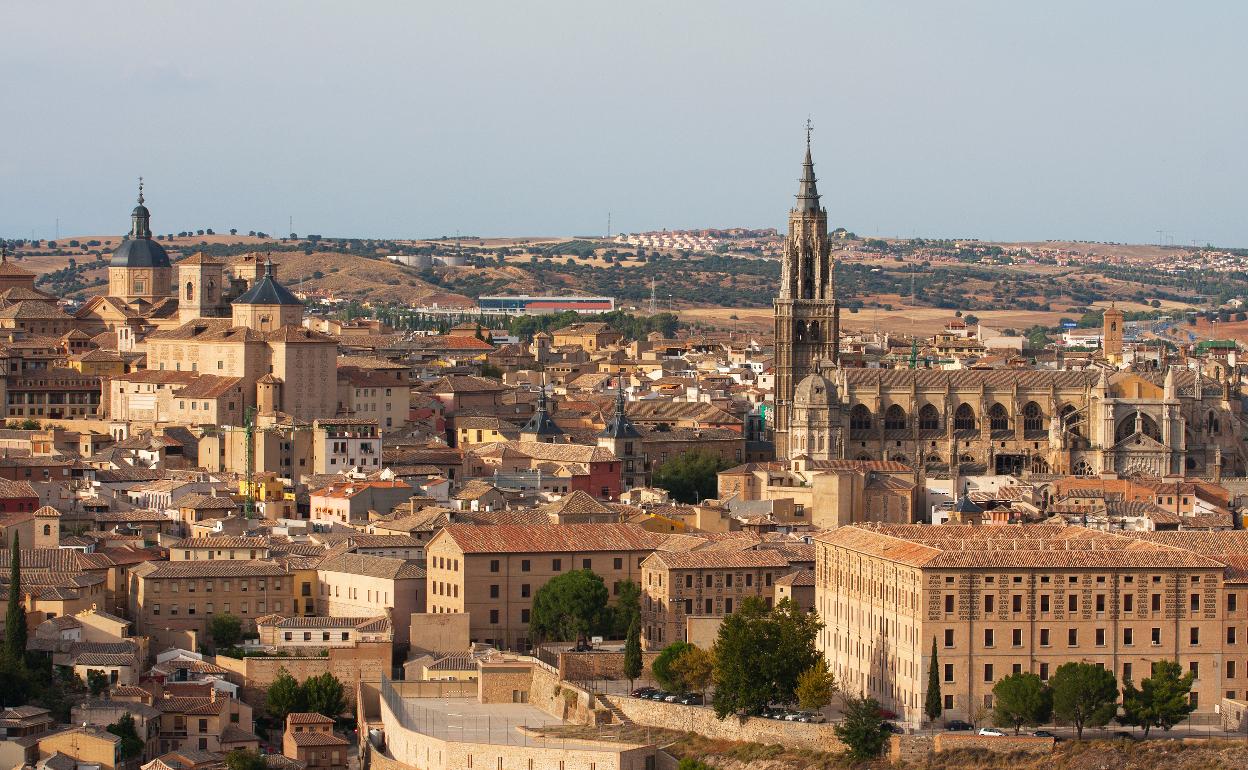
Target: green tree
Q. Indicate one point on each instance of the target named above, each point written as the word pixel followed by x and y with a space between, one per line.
pixel 245 759
pixel 284 696
pixel 759 655
pixel 1084 695
pixel 568 607
pixel 1021 699
pixel 693 669
pixel 15 682
pixel 862 729
pixel 689 763
pixel 692 476
pixel 97 682
pixel 662 665
pixel 15 617
pixel 131 744
pixel 324 695
pixel 815 686
pixel 627 608
pixel 934 704
pixel 1162 700
pixel 226 630
pixel 632 652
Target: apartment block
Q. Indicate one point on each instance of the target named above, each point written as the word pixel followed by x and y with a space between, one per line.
pixel 1003 599
pixel 492 572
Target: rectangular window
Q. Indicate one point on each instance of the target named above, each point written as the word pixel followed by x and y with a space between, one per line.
pixel 495 565
pixel 1016 637
pixel 1100 637
pixel 948 701
pixel 948 672
pixel 1194 602
pixel 524 565
pixel 1072 637
pixel 1230 602
pixel 525 591
pixel 989 602
pixel 1127 637
pixel 1156 603
pixel 1126 672
pixel 948 637
pixel 1044 602
pixel 1016 603
pixel 618 564
pixel 524 616
pixel 1073 603
pixel 494 591
pixel 1194 667
pixel 556 565
pixel 587 563
pixel 1128 603
pixel 1100 602
pixel 1194 636
pixel 1044 672
pixel 988 672
pixel 1230 635
pixel 989 637
pixel 494 617
pixel 948 603
pixel 1044 637
pixel 1155 636
pixel 1230 669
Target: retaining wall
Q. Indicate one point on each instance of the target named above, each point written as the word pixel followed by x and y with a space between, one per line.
pixel 702 721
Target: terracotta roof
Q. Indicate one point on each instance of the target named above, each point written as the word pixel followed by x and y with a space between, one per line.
pixel 576 538
pixel 718 559
pixel 372 566
pixel 804 577
pixel 318 739
pixel 305 718
pixel 1005 546
pixel 209 569
pixel 220 542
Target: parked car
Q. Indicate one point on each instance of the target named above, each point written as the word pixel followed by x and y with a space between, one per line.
pixel 991 731
pixel 659 695
pixel 812 717
pixel 1123 735
pixel 957 724
pixel 1043 734
pixel 690 699
pixel 892 727
pixel 643 692
pixel 771 713
pixel 672 698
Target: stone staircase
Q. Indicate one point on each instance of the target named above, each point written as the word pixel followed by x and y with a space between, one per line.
pixel 617 716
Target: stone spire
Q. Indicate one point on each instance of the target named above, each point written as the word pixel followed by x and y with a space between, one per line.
pixel 619 426
pixel 807 191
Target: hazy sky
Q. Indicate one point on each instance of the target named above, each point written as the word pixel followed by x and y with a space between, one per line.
pixel 1002 119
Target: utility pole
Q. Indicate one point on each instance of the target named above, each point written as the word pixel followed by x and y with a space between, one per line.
pixel 608 224
pixel 249 435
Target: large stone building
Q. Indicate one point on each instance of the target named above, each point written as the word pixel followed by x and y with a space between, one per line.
pixel 1013 421
pixel 1004 599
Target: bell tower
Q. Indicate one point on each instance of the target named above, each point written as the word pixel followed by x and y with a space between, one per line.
pixel 807 313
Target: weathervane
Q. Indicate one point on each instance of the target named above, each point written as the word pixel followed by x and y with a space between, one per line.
pixel 809 127
pixel 141 190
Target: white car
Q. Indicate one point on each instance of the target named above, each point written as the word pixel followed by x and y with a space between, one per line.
pixel 992 731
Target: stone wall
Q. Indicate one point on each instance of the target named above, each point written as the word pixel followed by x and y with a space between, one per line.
pixel 367 661
pixel 564 699
pixel 583 666
pixel 909 748
pixel 1234 715
pixel 995 743
pixel 702 721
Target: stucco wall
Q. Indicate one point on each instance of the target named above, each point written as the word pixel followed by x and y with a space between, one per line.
pixel 703 722
pixel 582 666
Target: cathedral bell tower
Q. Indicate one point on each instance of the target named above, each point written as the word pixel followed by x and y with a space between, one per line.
pixel 807 314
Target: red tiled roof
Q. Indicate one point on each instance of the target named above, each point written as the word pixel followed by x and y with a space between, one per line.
pixel 538 538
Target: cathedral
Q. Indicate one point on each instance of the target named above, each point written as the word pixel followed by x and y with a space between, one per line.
pixel 1102 419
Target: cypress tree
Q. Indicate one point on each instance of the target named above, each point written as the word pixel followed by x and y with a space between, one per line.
pixel 933 706
pixel 15 620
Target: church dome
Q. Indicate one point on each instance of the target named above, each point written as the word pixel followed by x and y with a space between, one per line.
pixel 815 390
pixel 138 249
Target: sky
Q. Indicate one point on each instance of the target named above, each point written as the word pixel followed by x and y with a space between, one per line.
pixel 1106 120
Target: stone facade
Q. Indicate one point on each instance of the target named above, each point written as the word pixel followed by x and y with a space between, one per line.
pixel 702 720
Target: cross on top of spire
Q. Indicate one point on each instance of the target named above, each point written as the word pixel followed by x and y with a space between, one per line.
pixel 141 178
pixel 809 127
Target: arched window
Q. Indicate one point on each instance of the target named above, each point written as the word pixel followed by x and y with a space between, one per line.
pixel 899 458
pixel 1212 424
pixel 1072 419
pixel 1127 427
pixel 998 418
pixel 964 418
pixel 929 418
pixel 799 331
pixel 190 291
pixel 1033 418
pixel 812 332
pixel 1082 468
pixel 860 418
pixel 210 293
pixel 1039 465
pixel 895 418
pixel 47 530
